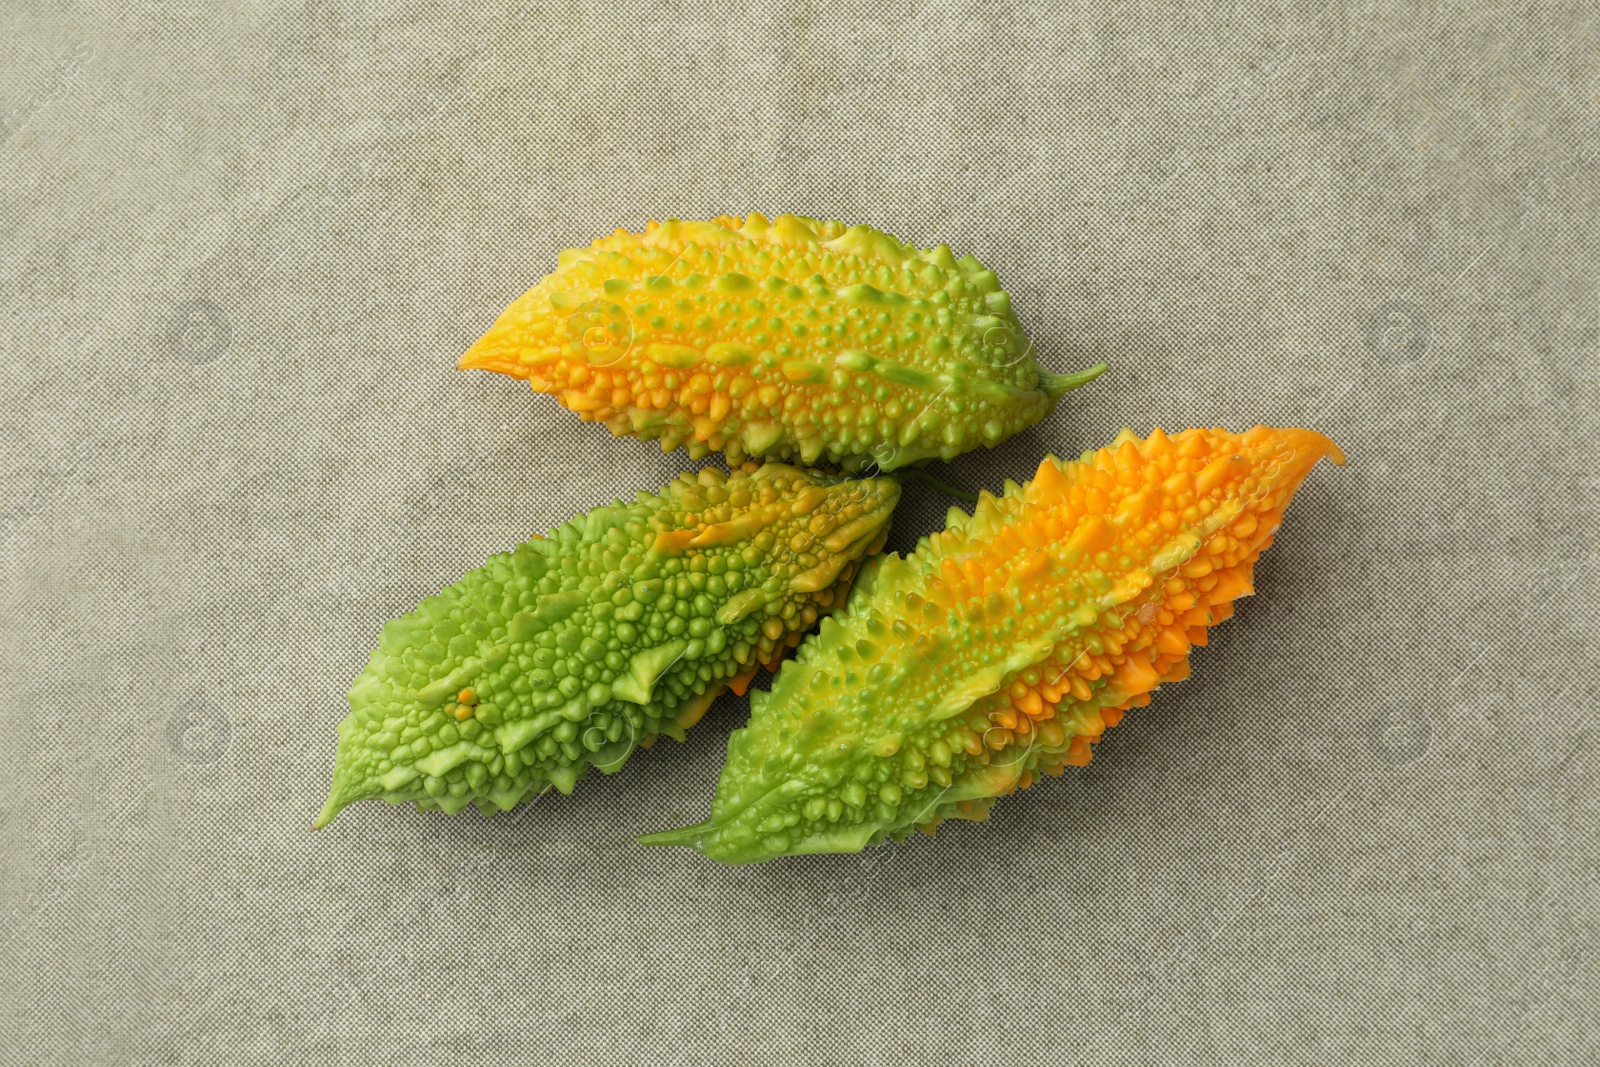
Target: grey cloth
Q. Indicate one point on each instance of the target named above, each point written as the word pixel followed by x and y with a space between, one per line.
pixel 244 246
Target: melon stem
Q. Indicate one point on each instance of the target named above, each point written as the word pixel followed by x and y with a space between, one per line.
pixel 944 487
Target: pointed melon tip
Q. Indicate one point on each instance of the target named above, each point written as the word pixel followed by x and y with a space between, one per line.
pixel 329 810
pixel 491 353
pixel 474 358
pixel 341 795
pixel 689 836
pixel 1314 444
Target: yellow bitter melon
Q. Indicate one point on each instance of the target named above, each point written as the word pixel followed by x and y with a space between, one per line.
pixel 1002 647
pixel 622 624
pixel 787 339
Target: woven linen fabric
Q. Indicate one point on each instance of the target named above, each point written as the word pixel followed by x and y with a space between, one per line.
pixel 245 244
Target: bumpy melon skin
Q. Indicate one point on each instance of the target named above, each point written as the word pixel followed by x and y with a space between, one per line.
pixel 577 648
pixel 791 339
pixel 1003 646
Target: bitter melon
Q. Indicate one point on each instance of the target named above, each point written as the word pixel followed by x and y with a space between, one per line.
pixel 622 624
pixel 787 339
pixel 1002 647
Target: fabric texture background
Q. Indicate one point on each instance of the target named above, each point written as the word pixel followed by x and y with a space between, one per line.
pixel 245 245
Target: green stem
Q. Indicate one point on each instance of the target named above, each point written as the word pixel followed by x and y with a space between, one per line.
pixel 1055 385
pixel 944 487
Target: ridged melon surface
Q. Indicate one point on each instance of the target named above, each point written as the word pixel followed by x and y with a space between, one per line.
pixel 577 648
pixel 1004 646
pixel 789 339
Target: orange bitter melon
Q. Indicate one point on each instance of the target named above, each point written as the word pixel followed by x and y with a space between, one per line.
pixel 790 339
pixel 1003 646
